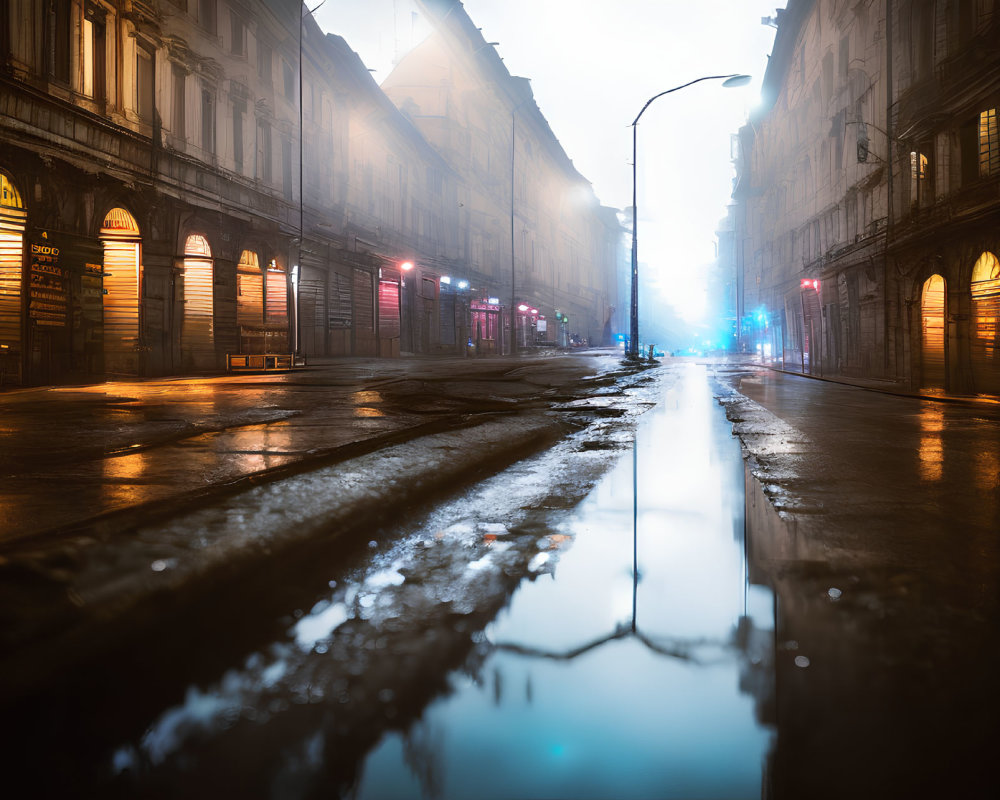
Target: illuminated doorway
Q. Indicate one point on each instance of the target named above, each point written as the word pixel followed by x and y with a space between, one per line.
pixel 984 343
pixel 12 220
pixel 197 330
pixel 120 296
pixel 932 333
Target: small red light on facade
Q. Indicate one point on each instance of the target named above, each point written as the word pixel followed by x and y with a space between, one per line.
pixel 808 283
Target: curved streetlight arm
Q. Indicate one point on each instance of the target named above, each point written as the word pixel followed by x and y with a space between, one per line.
pixel 684 86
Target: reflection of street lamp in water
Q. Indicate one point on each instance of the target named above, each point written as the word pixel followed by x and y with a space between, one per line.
pixel 674 647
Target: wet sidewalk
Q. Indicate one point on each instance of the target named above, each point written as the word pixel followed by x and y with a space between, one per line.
pixel 71 456
pixel 891 386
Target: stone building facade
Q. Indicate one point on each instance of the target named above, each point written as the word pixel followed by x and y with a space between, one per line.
pixel 183 180
pixel 867 207
pixel 533 224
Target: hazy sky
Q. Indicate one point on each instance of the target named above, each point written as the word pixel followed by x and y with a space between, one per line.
pixel 592 67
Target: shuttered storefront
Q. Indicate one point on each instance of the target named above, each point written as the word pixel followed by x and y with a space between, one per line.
pixel 447 320
pixel 932 333
pixel 365 343
pixel 197 330
pixel 277 297
pixel 984 343
pixel 388 309
pixel 312 311
pixel 12 220
pixel 485 327
pixel 250 303
pixel 812 331
pixel 276 310
pixel 388 318
pixel 122 259
pixel 340 314
pixel 249 290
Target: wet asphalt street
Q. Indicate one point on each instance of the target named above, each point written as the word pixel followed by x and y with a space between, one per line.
pixel 876 521
pixel 820 624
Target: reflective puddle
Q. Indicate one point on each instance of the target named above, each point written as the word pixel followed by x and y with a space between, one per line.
pixel 504 646
pixel 592 684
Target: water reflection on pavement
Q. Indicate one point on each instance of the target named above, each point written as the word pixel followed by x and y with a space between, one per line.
pixel 575 697
pixel 506 649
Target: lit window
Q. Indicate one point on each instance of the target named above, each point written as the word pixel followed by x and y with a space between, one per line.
pixel 88 57
pixel 989 144
pixel 918 178
pixel 94 56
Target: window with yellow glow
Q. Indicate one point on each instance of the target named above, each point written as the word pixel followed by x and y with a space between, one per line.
pixel 932 321
pixel 197 333
pixel 250 290
pixel 122 257
pixel 989 143
pixel 12 221
pixel 985 333
pixel 277 295
pixel 918 177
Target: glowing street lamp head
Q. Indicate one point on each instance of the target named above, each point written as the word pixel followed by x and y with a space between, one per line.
pixel 406 266
pixel 522 307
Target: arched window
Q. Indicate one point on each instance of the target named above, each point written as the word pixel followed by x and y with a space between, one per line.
pixel 120 298
pixel 197 331
pixel 12 219
pixel 933 301
pixel 984 343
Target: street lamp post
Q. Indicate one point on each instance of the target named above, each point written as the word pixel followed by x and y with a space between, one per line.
pixel 513 269
pixel 729 81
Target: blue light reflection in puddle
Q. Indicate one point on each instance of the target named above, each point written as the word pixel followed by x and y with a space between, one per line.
pixel 592 691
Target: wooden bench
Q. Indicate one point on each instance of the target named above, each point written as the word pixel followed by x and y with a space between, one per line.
pixel 261 362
